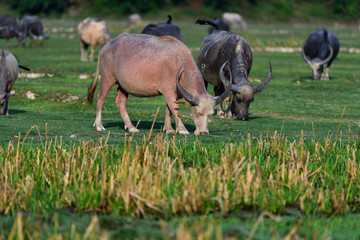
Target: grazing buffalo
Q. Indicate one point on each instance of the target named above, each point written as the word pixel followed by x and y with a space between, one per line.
pixel 9 29
pixel 221 23
pixel 145 66
pixel 222 47
pixel 320 48
pixel 234 19
pixel 93 32
pixel 31 26
pixel 134 20
pixel 9 69
pixel 164 29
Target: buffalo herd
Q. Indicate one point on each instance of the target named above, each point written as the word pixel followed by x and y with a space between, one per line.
pixel 157 62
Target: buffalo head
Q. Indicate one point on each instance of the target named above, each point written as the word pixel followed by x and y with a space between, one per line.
pixel 317 64
pixel 202 107
pixel 243 94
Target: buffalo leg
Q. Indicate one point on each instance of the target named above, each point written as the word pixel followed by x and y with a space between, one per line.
pixel 92 53
pixel 105 86
pixel 83 47
pixel 120 101
pixel 175 110
pixel 167 125
pixel 326 75
pixel 218 90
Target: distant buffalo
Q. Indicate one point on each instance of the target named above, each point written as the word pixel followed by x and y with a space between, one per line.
pixel 133 20
pixel 31 26
pixel 320 48
pixel 93 32
pixel 234 19
pixel 9 28
pixel 164 29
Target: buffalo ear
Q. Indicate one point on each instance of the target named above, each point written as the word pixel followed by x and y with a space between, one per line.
pixel 182 102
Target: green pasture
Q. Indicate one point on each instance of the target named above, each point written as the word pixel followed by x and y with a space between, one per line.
pixel 291 171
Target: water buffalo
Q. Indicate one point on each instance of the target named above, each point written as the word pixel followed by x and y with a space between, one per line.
pixel 218 48
pixel 134 20
pixel 164 29
pixel 320 48
pixel 9 69
pixel 234 19
pixel 221 23
pixel 93 32
pixel 9 28
pixel 144 66
pixel 31 26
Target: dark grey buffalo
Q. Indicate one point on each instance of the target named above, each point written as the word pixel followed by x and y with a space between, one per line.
pixel 164 29
pixel 221 23
pixel 320 48
pixel 31 26
pixel 218 48
pixel 9 28
pixel 9 69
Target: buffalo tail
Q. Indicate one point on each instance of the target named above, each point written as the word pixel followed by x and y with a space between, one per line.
pixel 92 87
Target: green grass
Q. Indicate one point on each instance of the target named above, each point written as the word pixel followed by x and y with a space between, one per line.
pixel 292 161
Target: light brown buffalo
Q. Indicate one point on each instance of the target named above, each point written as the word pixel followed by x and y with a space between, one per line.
pixel 145 66
pixel 93 32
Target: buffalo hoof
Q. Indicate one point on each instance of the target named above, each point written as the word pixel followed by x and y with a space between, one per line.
pixel 169 131
pixel 324 77
pixel 134 130
pixel 183 132
pixel 99 127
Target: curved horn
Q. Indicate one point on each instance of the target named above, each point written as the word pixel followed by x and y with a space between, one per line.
pixel 228 90
pixel 188 97
pixel 306 59
pixel 329 57
pixel 225 81
pixel 263 85
pixel 32 35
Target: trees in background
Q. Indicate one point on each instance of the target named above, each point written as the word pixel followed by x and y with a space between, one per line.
pixel 282 9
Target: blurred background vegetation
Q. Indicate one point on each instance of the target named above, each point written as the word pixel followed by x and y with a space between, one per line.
pixel 273 10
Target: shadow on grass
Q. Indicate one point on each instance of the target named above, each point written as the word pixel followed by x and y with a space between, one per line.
pixel 146 125
pixel 14 112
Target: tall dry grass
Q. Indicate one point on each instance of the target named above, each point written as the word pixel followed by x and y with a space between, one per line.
pixel 163 176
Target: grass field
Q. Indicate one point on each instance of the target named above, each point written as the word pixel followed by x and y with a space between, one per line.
pixel 291 171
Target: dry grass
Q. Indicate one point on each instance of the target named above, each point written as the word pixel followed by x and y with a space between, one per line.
pixel 161 176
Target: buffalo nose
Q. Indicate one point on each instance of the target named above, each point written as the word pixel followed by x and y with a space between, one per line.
pixel 242 118
pixel 204 133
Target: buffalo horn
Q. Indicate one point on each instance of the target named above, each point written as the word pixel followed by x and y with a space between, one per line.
pixel 229 87
pixel 328 58
pixel 306 59
pixel 188 97
pixel 263 85
pixel 225 81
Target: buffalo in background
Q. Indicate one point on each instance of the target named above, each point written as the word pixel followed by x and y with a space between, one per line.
pixel 31 26
pixel 320 48
pixel 93 32
pixel 9 28
pixel 28 26
pixel 222 47
pixel 164 29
